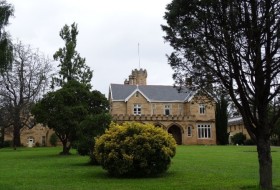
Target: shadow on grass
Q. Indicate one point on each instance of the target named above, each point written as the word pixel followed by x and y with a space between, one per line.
pixel 253 187
pixel 103 174
pixel 256 151
pixel 83 164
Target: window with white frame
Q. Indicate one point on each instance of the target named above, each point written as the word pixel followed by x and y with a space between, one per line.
pixel 137 109
pixel 202 109
pixel 204 131
pixel 167 109
pixel 189 131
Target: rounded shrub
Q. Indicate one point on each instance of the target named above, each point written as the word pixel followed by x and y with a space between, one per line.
pixel 135 150
pixel 238 138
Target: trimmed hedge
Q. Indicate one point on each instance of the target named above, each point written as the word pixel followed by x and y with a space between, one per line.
pixel 135 150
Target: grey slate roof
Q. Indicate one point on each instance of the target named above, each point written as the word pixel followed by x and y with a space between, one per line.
pixel 235 120
pixel 154 93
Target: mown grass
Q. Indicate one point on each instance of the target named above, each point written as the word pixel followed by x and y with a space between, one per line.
pixel 193 167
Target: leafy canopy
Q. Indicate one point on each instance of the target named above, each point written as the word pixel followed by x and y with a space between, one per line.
pixel 63 110
pixel 233 45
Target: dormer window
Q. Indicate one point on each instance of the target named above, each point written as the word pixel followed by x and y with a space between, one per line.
pixel 137 109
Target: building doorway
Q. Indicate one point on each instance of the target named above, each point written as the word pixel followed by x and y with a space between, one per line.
pixel 175 131
pixel 30 142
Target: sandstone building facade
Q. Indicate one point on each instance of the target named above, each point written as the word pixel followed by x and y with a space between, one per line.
pixel 236 125
pixel 186 115
pixel 30 137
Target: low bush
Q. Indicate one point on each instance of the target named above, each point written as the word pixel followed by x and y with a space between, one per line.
pixel 249 142
pixel 91 127
pixel 7 143
pixel 238 138
pixel 135 150
pixel 37 144
pixel 53 139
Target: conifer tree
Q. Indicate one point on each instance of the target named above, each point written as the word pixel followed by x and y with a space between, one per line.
pixel 72 65
pixel 222 121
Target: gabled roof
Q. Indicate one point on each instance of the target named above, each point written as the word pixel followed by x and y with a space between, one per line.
pixel 153 93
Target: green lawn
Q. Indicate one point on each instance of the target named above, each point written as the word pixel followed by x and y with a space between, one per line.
pixel 193 167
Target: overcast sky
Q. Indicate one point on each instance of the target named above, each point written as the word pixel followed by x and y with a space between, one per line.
pixel 109 33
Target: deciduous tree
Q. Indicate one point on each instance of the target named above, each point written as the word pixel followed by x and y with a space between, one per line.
pixel 21 85
pixel 236 42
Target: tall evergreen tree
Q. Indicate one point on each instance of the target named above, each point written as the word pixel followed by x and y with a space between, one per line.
pixel 64 109
pixel 72 65
pixel 6 11
pixel 222 121
pixel 6 54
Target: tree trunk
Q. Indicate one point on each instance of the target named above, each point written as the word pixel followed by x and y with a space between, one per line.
pixel 265 163
pixel 16 137
pixel 2 137
pixel 66 148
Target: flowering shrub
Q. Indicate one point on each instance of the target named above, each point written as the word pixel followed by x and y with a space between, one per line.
pixel 135 149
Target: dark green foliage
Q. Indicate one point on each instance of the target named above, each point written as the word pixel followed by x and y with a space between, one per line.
pixel 91 127
pixel 72 66
pixel 249 142
pixel 135 150
pixel 238 139
pixel 221 121
pixel 1 130
pixel 53 139
pixel 231 45
pixel 64 110
pixel 276 134
pixel 6 55
pixel 7 143
pixel 274 141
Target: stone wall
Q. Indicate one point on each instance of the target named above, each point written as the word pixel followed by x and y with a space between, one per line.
pixel 40 135
pixel 183 115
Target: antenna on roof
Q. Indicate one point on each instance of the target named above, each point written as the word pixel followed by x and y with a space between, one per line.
pixel 139 54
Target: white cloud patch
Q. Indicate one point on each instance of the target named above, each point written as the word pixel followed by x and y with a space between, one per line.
pixel 109 33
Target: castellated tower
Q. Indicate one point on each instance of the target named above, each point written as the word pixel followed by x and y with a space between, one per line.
pixel 137 77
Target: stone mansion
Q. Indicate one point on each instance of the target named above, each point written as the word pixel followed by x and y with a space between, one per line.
pixel 189 117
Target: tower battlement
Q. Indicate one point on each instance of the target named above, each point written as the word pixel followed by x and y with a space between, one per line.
pixel 137 77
